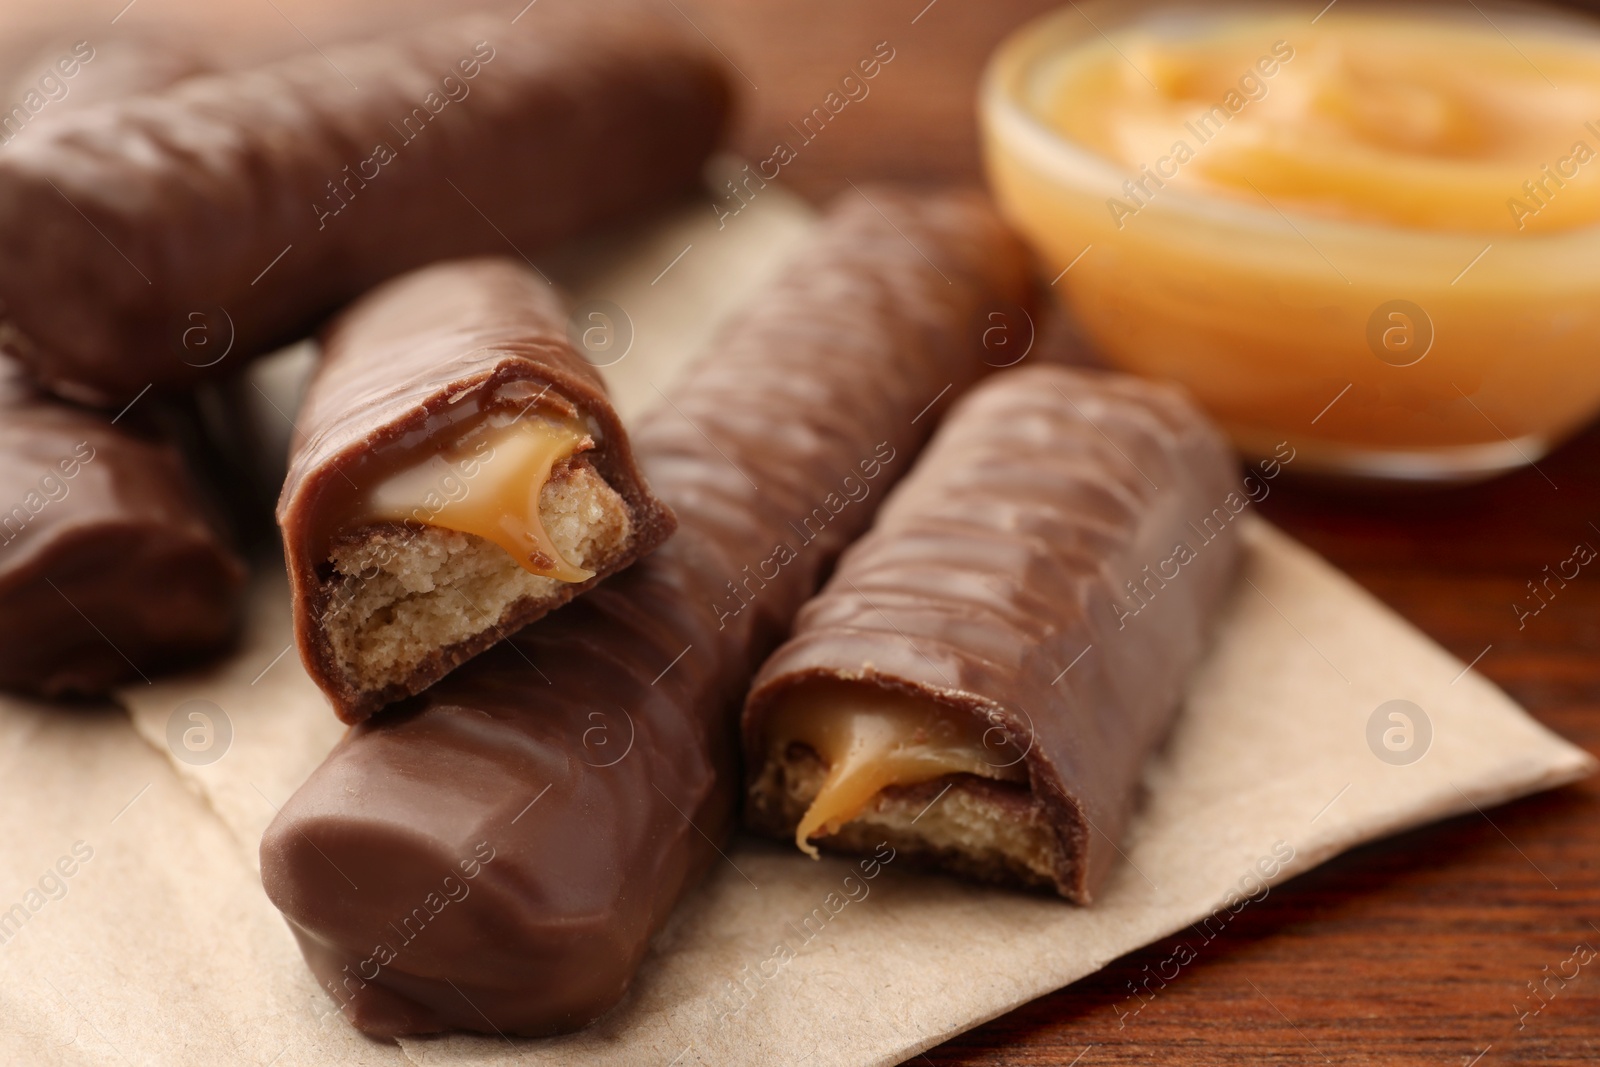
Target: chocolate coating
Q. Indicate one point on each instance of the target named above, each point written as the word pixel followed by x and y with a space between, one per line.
pixel 111 564
pixel 135 61
pixel 594 754
pixel 397 367
pixel 142 238
pixel 1012 548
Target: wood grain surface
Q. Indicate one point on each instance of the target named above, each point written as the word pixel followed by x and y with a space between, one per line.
pixel 1425 948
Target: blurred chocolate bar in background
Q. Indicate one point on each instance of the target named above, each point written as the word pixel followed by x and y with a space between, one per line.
pixel 241 208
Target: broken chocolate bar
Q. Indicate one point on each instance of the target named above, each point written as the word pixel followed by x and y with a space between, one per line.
pixel 459 472
pixel 112 565
pixel 496 853
pixel 167 236
pixel 985 674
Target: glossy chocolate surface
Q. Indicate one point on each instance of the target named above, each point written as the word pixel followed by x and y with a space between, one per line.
pixel 594 753
pixel 112 566
pixel 404 373
pixel 1027 574
pixel 166 237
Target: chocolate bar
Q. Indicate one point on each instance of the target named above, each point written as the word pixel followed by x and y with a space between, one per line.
pixel 496 853
pixel 458 473
pixel 982 679
pixel 166 237
pixel 112 563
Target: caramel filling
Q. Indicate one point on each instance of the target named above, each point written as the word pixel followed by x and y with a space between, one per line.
pixel 489 484
pixel 871 738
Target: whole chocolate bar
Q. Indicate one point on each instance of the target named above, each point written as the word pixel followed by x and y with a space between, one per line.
pixel 165 237
pixel 496 853
pixel 982 679
pixel 112 566
pixel 458 472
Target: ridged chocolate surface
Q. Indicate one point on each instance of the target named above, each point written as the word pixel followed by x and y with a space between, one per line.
pixel 594 754
pixel 995 582
pixel 395 367
pixel 111 565
pixel 141 238
pixel 137 60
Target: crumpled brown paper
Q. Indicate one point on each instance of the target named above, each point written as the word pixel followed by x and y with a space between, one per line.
pixel 160 947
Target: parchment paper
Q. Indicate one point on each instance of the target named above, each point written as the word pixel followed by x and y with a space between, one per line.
pixel 161 947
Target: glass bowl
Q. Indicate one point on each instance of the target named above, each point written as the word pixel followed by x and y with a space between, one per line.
pixel 1372 349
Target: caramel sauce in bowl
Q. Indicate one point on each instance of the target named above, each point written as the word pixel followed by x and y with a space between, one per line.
pixel 1373 235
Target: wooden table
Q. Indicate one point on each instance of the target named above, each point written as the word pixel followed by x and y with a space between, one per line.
pixel 1418 949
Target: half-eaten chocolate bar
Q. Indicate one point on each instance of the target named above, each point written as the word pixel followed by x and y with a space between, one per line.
pixel 982 679
pixel 459 473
